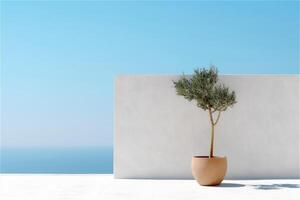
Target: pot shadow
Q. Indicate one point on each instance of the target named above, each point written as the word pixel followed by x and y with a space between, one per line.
pixel 231 185
pixel 275 186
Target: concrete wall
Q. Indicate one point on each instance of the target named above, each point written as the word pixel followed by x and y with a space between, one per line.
pixel 157 132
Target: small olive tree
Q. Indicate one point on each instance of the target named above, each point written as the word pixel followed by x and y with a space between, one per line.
pixel 203 87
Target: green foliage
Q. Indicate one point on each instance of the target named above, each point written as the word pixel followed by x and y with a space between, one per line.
pixel 203 87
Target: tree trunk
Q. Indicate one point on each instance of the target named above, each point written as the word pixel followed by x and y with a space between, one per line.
pixel 211 152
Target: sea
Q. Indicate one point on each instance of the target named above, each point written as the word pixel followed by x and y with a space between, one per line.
pixel 57 160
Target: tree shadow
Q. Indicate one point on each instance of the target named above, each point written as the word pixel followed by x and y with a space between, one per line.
pixel 275 186
pixel 260 186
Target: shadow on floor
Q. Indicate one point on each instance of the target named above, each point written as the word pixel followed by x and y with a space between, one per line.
pixel 275 186
pixel 261 186
pixel 230 185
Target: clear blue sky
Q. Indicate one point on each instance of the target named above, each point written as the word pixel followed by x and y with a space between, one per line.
pixel 59 59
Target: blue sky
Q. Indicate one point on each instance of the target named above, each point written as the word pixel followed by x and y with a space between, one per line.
pixel 59 59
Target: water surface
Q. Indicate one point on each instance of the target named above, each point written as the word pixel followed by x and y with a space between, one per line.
pixel 71 160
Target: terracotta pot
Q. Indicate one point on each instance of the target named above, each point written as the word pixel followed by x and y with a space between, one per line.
pixel 209 171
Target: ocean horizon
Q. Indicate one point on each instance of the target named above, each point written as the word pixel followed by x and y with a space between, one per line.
pixel 57 160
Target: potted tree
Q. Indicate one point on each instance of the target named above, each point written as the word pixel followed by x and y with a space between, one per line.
pixel 213 97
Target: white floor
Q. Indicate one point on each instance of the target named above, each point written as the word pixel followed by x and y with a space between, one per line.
pixel 92 187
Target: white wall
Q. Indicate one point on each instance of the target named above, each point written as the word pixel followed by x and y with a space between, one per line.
pixel 157 132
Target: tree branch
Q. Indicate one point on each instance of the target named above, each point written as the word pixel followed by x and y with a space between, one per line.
pixel 211 117
pixel 219 114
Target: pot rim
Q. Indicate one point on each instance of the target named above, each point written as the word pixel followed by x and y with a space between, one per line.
pixel 207 157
